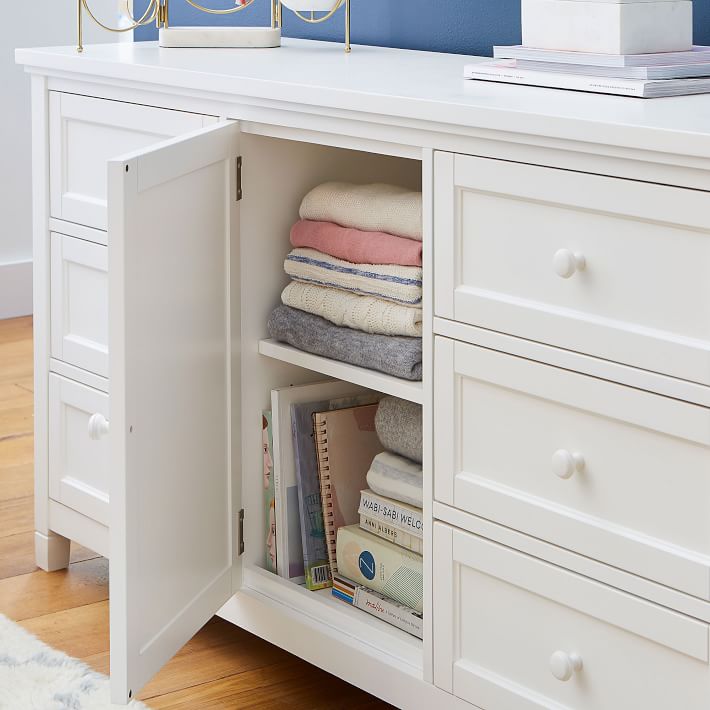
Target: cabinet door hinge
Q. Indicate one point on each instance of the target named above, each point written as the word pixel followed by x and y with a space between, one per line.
pixel 240 535
pixel 239 178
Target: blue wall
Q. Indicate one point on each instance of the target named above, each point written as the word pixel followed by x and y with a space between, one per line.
pixel 463 26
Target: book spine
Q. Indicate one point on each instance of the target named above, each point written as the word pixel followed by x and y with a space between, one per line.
pixel 279 507
pixel 321 439
pixel 392 533
pixel 403 518
pixel 289 565
pixel 267 443
pixel 378 605
pixel 315 555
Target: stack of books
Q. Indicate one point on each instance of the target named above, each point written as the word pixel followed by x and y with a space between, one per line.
pixel 640 75
pixel 324 440
pixel 326 446
pixel 380 562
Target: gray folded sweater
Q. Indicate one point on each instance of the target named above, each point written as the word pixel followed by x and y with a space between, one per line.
pixel 395 355
pixel 399 427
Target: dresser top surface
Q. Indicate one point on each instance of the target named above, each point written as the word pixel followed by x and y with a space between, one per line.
pixel 402 84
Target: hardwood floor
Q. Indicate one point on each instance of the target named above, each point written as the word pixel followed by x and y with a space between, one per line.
pixel 221 667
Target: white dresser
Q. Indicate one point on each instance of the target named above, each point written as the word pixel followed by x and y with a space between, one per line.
pixel 566 385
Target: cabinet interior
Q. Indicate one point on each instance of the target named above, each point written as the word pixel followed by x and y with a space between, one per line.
pixel 277 173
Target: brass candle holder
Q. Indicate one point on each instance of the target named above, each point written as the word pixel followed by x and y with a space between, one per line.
pixel 309 11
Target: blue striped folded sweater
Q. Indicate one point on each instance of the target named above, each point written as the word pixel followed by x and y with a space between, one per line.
pixel 400 284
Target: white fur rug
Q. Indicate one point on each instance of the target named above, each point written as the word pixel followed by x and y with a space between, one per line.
pixel 34 676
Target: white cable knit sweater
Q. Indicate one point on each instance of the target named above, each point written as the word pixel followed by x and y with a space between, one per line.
pixel 371 208
pixel 366 313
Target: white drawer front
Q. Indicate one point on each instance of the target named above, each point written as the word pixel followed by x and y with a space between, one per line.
pixel 79 303
pixel 599 265
pixel 78 463
pixel 85 133
pixel 615 473
pixel 505 621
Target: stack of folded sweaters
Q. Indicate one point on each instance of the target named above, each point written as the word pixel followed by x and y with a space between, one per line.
pixel 356 270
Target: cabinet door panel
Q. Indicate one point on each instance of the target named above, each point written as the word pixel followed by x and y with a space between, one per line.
pixel 171 209
pixel 79 303
pixel 78 462
pixel 85 132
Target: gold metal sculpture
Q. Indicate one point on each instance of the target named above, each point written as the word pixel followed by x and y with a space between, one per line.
pixel 157 11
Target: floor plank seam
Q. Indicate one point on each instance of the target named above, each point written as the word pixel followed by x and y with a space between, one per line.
pixel 288 662
pixel 217 679
pixel 58 611
pixel 13 500
pixel 10 437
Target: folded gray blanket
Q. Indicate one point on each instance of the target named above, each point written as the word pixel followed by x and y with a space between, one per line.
pixel 399 427
pixel 395 355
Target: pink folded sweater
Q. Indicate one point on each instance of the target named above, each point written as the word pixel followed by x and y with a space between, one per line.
pixel 355 245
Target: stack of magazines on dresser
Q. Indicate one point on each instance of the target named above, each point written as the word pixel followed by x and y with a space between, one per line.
pixel 343 496
pixel 379 560
pixel 356 278
pixel 636 48
pixel 639 75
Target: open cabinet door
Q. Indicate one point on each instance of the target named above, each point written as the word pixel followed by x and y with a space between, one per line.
pixel 172 223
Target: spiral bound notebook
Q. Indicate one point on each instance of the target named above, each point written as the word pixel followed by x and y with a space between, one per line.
pixel 346 443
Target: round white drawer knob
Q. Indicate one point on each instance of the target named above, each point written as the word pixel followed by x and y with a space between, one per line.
pixel 565 665
pixel 98 426
pixel 565 463
pixel 567 262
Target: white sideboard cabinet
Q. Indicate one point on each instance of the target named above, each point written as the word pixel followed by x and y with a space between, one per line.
pixel 566 385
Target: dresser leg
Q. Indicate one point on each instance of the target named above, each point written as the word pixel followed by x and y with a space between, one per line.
pixel 51 551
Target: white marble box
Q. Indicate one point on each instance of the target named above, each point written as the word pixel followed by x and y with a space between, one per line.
pixel 608 26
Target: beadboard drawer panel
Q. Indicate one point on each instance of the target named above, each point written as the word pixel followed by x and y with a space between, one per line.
pixel 78 463
pixel 79 303
pixel 84 133
pixel 605 266
pixel 509 627
pixel 612 472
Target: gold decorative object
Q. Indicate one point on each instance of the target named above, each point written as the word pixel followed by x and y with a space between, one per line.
pixel 310 11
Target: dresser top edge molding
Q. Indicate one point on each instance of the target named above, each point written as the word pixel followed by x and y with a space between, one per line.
pixel 396 87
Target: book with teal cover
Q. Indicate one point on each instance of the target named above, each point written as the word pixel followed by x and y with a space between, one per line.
pixel 267 445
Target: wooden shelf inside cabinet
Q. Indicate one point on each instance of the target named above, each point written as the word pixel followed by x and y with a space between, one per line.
pixel 413 391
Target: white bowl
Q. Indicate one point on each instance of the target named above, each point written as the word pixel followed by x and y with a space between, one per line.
pixel 308 5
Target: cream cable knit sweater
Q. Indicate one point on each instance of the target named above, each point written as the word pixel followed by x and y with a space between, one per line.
pixel 371 208
pixel 366 313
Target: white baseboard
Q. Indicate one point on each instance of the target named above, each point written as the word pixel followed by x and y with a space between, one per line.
pixel 15 289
